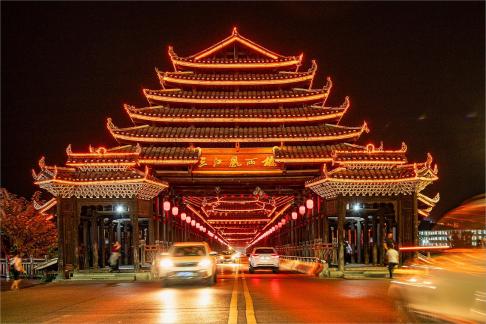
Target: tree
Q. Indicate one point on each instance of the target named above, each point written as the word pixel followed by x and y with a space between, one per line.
pixel 23 228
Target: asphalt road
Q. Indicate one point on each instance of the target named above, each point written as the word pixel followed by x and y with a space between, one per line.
pixel 238 297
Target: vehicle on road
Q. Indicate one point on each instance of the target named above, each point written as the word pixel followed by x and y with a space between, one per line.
pixel 187 261
pixel 264 258
pixel 229 257
pixel 225 257
pixel 449 288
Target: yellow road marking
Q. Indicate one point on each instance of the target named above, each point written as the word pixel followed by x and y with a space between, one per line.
pixel 250 312
pixel 233 314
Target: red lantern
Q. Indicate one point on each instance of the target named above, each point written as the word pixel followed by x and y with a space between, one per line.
pixel 309 203
pixel 302 210
pixel 183 216
pixel 188 219
pixel 193 223
pixel 294 215
pixel 166 205
pixel 175 210
pixel 283 221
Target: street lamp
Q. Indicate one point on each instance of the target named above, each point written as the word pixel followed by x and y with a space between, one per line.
pixel 119 209
pixel 356 207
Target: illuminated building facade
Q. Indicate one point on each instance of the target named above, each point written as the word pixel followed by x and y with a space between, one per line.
pixel 241 141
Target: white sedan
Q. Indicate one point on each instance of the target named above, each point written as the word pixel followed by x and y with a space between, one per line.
pixel 264 258
pixel 187 261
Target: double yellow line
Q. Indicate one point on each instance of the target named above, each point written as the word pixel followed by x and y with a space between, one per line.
pixel 249 310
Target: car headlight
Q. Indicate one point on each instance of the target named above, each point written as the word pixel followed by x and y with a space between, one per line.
pixel 166 263
pixel 205 263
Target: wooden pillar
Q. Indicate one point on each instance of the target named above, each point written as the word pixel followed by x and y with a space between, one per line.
pixel 366 240
pixel 102 242
pixel 340 232
pixel 381 233
pixel 325 229
pixel 94 240
pixel 85 242
pixel 135 236
pixel 352 240
pixel 151 231
pixel 375 239
pixel 75 236
pixel 415 220
pixel 358 241
pixel 60 239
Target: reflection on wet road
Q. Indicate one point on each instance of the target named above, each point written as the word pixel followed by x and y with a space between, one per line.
pixel 238 297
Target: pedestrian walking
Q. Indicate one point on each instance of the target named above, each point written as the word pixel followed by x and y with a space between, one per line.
pixel 115 256
pixel 17 268
pixel 348 251
pixel 392 258
pixel 388 241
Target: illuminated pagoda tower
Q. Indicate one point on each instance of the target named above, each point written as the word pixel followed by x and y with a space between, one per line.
pixel 241 136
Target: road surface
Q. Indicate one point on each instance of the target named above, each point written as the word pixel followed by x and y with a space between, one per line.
pixel 238 297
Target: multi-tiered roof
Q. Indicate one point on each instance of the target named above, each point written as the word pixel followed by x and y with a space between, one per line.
pixel 235 92
pixel 237 113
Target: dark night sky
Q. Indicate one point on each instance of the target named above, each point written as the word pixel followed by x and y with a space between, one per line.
pixel 414 72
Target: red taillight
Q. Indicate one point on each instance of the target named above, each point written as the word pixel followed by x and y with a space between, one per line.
pixel 253 254
pixel 275 255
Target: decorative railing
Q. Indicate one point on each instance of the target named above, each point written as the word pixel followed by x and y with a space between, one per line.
pixel 149 251
pixel 315 249
pixel 30 266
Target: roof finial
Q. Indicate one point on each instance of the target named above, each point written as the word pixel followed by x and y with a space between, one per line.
pixel 90 148
pixel 381 146
pixel 138 148
pixel 428 163
pixel 328 85
pixel 346 103
pixel 324 170
pixel 235 31
pixel 68 150
pixel 109 124
pixel 365 128
pixel 42 162
pixel 313 67
pixel 171 51
pixel 34 174
pixel 404 147
pixel 370 148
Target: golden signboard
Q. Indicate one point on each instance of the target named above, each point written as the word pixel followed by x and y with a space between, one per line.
pixel 236 161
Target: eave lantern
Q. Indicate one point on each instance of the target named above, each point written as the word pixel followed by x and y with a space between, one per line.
pixel 309 203
pixel 188 219
pixel 175 210
pixel 294 215
pixel 166 205
pixel 183 216
pixel 302 210
pixel 193 223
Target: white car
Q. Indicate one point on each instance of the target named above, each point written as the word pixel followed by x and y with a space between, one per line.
pixel 449 288
pixel 264 258
pixel 187 261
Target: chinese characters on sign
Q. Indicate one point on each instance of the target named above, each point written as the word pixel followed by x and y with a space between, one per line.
pixel 235 162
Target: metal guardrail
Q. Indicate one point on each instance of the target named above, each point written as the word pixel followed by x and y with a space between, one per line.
pixel 30 266
pixel 303 259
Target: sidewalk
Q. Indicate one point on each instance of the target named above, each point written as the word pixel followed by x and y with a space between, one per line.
pixel 25 283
